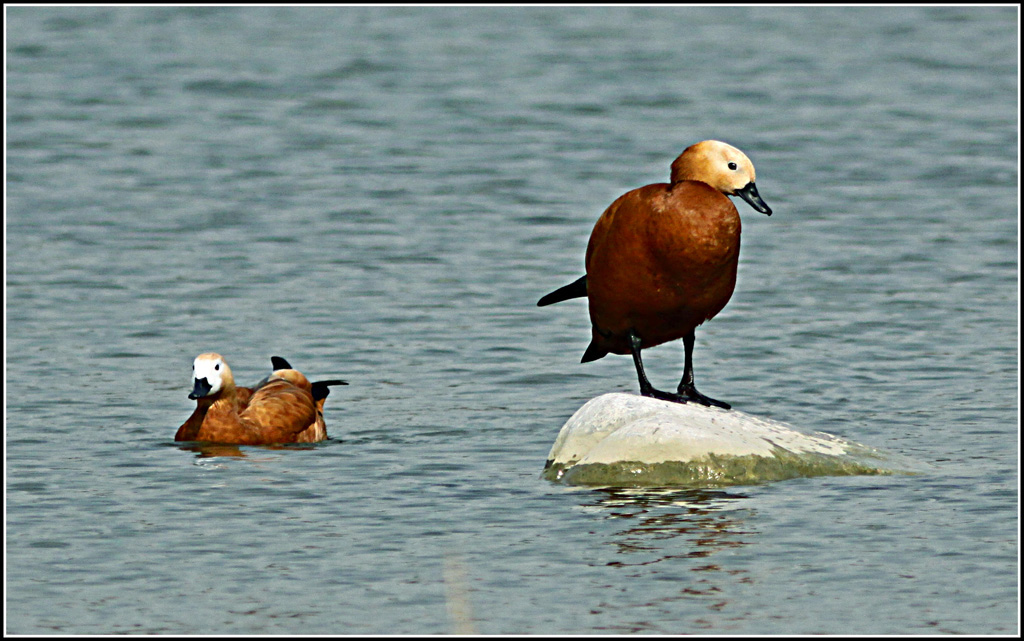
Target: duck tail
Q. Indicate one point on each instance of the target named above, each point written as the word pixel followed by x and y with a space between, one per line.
pixel 575 289
pixel 593 352
pixel 320 388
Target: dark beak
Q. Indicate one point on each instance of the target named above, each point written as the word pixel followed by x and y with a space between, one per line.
pixel 201 389
pixel 749 194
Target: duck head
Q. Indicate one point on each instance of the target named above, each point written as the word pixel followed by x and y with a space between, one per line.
pixel 210 375
pixel 723 167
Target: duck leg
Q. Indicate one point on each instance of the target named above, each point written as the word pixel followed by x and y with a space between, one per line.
pixel 646 389
pixel 686 388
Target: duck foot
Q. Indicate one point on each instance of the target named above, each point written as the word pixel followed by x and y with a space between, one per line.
pixel 689 396
pixel 690 392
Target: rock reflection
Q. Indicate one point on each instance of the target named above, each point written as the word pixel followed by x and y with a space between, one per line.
pixel 673 534
pixel 710 520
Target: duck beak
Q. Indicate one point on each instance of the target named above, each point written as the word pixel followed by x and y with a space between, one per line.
pixel 201 389
pixel 749 194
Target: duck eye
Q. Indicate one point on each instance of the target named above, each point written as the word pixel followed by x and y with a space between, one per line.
pixel 732 166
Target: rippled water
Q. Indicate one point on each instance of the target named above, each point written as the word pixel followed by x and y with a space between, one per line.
pixel 382 194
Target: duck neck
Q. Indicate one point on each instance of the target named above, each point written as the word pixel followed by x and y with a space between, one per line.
pixel 224 402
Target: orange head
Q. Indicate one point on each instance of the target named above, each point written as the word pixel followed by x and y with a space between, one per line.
pixel 722 167
pixel 293 376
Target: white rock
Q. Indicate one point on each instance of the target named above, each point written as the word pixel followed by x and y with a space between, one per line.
pixel 623 427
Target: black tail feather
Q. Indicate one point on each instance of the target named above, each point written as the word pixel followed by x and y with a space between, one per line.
pixel 575 289
pixel 593 353
pixel 320 388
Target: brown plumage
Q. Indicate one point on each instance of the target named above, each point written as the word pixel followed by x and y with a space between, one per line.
pixel 317 431
pixel 282 408
pixel 662 259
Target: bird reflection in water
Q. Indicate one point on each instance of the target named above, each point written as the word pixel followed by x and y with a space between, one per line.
pixel 211 450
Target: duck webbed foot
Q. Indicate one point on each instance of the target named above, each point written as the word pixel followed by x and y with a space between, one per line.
pixel 690 393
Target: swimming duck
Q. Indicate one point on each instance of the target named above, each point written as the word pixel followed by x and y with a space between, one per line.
pixel 282 408
pixel 662 259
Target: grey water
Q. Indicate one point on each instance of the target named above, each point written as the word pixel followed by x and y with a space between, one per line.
pixel 381 194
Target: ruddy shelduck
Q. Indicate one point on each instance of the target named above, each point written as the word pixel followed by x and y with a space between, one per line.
pixel 282 408
pixel 662 260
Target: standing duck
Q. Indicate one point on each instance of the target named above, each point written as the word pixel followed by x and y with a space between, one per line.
pixel 662 259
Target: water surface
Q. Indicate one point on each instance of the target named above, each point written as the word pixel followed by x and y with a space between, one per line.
pixel 381 195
